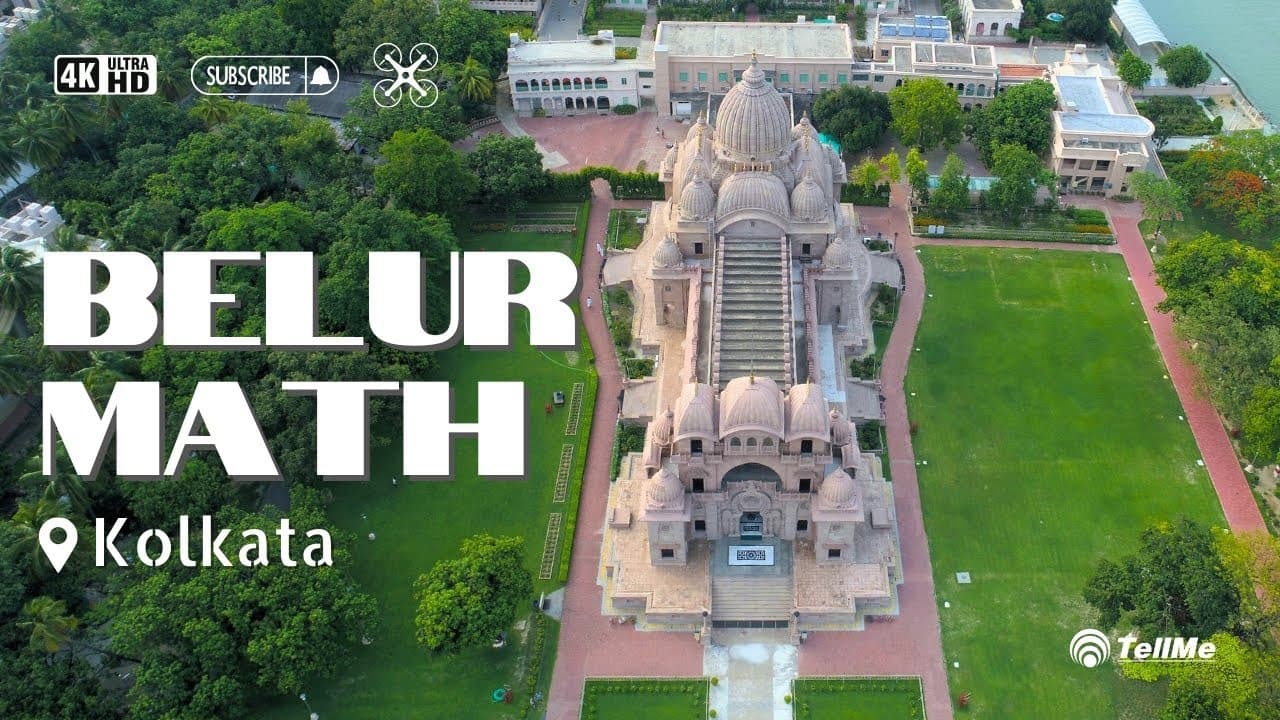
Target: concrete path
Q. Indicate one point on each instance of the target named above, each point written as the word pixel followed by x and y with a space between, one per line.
pixel 561 19
pixel 754 673
pixel 589 644
pixel 551 159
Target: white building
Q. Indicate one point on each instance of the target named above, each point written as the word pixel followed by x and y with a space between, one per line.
pixel 524 7
pixel 568 77
pixel 989 20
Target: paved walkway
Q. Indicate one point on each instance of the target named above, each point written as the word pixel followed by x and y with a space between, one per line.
pixel 589 644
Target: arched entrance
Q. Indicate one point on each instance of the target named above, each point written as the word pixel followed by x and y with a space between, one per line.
pixel 751 526
pixel 752 511
pixel 752 471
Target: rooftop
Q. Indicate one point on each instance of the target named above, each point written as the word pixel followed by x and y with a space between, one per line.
pixel 592 50
pixel 996 4
pixel 782 40
pixel 934 28
pixel 1088 107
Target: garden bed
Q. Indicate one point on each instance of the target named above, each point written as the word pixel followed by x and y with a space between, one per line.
pixel 857 698
pixel 644 699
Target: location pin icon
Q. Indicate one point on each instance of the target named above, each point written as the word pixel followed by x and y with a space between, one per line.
pixel 58 551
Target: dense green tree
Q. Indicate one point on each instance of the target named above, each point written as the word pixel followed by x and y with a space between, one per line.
pixel 1021 114
pixel 35 687
pixel 63 484
pixel 264 227
pixel 1133 70
pixel 472 80
pixel 1260 425
pixel 892 165
pixel 47 622
pixel 1087 20
pixel 32 51
pixel 314 21
pixel 1239 684
pixel 423 173
pixel 509 170
pixel 866 176
pixel 1175 584
pixel 213 110
pixel 371 125
pixel 1018 172
pixel 37 137
pixel 1162 200
pixel 256 30
pixel 854 115
pixel 460 31
pixel 365 25
pixel 1210 268
pixel 1185 66
pixel 926 114
pixel 27 521
pixel 467 601
pixel 952 194
pixel 917 170
pixel 21 279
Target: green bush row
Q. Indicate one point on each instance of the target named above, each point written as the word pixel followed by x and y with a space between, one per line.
pixel 535 648
pixel 575 477
pixel 1028 235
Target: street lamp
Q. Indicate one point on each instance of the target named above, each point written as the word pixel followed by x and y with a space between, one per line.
pixel 313 715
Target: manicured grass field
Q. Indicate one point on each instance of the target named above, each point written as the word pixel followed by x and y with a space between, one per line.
pixel 418 524
pixel 623 23
pixel 624 232
pixel 644 699
pixel 857 699
pixel 1052 439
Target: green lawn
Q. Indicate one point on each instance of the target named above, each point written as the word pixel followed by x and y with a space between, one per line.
pixel 857 699
pixel 623 23
pixel 644 699
pixel 1052 439
pixel 418 524
pixel 624 232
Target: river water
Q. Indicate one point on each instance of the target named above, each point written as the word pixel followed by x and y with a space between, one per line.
pixel 1241 35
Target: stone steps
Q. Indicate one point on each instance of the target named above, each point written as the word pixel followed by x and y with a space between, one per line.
pixel 751 598
pixel 751 310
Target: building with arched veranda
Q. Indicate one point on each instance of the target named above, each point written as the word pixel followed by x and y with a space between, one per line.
pixel 751 503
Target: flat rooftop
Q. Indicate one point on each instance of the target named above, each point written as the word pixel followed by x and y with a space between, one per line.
pixel 934 28
pixel 776 40
pixel 591 50
pixel 995 4
pixel 1087 108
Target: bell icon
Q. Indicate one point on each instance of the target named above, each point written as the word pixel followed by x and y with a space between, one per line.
pixel 321 76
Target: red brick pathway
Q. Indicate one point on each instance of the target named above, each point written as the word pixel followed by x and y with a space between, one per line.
pixel 589 645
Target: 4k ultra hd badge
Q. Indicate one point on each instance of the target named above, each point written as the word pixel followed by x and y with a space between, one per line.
pixel 104 75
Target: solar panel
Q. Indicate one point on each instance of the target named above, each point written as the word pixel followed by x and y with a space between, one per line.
pixel 939 34
pixel 888 31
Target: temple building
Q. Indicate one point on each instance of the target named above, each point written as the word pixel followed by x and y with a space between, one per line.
pixel 751 503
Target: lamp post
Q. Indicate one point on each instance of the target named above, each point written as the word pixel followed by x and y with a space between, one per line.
pixel 313 715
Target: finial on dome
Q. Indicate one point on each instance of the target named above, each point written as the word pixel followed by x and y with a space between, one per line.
pixel 754 58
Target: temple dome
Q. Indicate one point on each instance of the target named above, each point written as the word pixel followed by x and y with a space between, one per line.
pixel 753 120
pixel 751 404
pixel 838 489
pixel 840 434
pixel 802 128
pixel 752 191
pixel 663 427
pixel 668 254
pixel 664 489
pixel 697 200
pixel 839 254
pixel 695 166
pixel 808 413
pixel 808 201
pixel 695 413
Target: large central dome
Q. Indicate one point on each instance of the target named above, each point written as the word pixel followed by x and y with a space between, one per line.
pixel 753 122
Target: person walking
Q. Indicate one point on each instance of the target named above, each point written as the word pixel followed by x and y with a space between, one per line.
pixel 588 303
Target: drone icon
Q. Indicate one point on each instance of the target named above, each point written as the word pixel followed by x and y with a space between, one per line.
pixel 388 92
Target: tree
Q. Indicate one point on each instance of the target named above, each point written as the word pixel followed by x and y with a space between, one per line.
pixel 1260 425
pixel 1174 584
pixel 473 80
pixel 32 51
pixel 20 278
pixel 1018 171
pixel 467 601
pixel 917 173
pixel 314 21
pixel 891 163
pixel 37 687
pixel 1021 114
pixel 1133 70
pixel 952 194
pixel 213 110
pixel 48 623
pixel 1185 66
pixel 37 137
pixel 1252 559
pixel 27 521
pixel 926 114
pixel 371 125
pixel 1238 685
pixel 63 484
pixel 422 173
pixel 854 115
pixel 1087 20
pixel 509 170
pixel 1162 200
pixel 866 176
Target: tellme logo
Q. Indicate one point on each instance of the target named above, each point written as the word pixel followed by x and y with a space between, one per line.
pixel 1091 648
pixel 199 544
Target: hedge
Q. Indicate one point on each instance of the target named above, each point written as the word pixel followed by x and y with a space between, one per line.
pixel 575 479
pixel 534 650
pixel 1028 235
pixel 625 109
pixel 625 185
pixel 851 193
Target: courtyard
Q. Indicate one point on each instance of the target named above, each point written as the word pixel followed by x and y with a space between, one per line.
pixel 394 677
pixel 1052 435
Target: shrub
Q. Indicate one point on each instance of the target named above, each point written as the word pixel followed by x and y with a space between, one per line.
pixel 786 699
pixel 712 712
pixel 624 109
pixel 625 53
pixel 1088 216
pixel 714 681
pixel 638 367
pixel 1091 229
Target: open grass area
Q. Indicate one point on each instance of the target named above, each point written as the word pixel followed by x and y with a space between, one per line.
pixel 644 699
pixel 418 524
pixel 624 232
pixel 857 698
pixel 1052 439
pixel 623 23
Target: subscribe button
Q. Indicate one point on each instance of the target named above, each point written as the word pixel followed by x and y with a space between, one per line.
pixel 264 75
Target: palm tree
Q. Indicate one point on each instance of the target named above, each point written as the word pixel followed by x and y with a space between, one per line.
pixel 20 279
pixel 17 374
pixel 213 110
pixel 104 370
pixel 473 80
pixel 173 79
pixel 37 139
pixel 10 161
pixel 64 483
pixel 69 115
pixel 67 239
pixel 27 520
pixel 49 623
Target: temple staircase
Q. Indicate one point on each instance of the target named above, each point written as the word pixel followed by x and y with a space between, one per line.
pixel 746 597
pixel 752 331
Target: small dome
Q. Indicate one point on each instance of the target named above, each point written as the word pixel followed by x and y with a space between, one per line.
pixel 839 254
pixel 807 411
pixel 808 202
pixel 838 490
pixel 802 128
pixel 695 413
pixel 663 427
pixel 751 403
pixel 839 429
pixel 752 191
pixel 698 200
pixel 696 166
pixel 753 120
pixel 664 489
pixel 668 254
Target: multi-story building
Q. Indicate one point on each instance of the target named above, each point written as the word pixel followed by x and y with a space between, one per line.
pixel 694 59
pixel 894 32
pixel 1099 138
pixel 990 20
pixel 969 69
pixel 567 77
pixel 525 7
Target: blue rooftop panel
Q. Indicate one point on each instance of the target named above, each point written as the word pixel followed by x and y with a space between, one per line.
pixel 888 30
pixel 939 34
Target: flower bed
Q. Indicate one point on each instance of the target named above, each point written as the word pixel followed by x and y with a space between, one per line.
pixel 648 698
pixel 858 698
